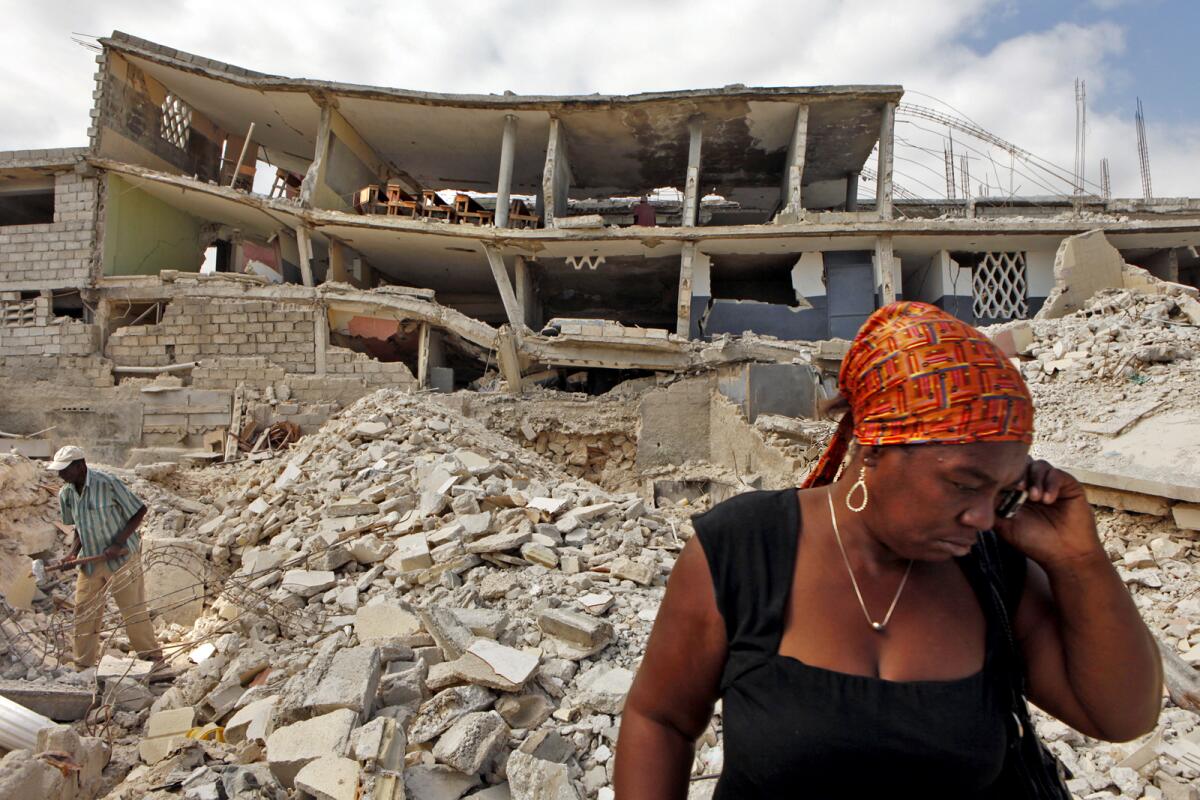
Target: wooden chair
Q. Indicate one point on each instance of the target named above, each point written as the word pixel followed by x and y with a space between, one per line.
pixel 519 215
pixel 467 210
pixel 400 203
pixel 434 207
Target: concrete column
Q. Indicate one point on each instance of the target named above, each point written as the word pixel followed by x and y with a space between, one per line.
pixel 510 361
pixel 885 270
pixel 304 245
pixel 504 183
pixel 683 305
pixel 691 186
pixel 423 356
pixel 338 272
pixel 794 170
pixel 321 338
pixel 526 293
pixel 316 170
pixel 512 308
pixel 556 175
pixel 883 184
pixel 852 191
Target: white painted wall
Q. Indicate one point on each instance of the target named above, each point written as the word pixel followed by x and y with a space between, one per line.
pixel 701 275
pixel 1039 271
pixel 808 276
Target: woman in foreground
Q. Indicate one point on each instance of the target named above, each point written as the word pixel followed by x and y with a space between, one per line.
pixel 866 639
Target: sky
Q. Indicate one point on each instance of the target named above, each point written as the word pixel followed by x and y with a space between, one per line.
pixel 1008 65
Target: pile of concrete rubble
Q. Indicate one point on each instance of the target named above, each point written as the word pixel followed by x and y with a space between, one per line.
pixel 408 604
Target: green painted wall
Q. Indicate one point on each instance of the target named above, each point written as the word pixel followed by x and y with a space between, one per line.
pixel 143 235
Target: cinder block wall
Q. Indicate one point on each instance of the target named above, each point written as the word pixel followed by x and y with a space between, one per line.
pixel 36 345
pixel 194 329
pixel 56 255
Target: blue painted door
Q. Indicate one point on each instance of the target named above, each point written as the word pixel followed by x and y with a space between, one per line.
pixel 850 287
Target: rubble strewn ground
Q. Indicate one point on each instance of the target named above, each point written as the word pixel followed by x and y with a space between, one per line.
pixel 411 602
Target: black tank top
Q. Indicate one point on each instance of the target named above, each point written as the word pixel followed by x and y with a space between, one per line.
pixel 796 731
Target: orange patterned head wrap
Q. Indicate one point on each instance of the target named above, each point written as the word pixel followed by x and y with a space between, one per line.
pixel 916 375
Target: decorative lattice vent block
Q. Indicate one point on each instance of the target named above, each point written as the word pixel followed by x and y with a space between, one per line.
pixel 176 121
pixel 1000 288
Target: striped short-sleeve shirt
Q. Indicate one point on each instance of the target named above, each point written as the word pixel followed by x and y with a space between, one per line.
pixel 99 514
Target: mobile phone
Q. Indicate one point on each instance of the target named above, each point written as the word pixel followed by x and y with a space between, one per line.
pixel 1011 501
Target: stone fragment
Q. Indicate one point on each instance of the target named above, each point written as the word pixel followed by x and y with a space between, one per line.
pixel 351 507
pixel 436 783
pixel 350 682
pixel 579 629
pixel 163 730
pixel 451 635
pixel 596 603
pixel 306 582
pixel 111 667
pixel 440 712
pixel 525 711
pixel 293 746
pixel 514 666
pixel 548 745
pixel 547 505
pixel 379 744
pixel 629 570
pixel 531 778
pixel 475 525
pixel 383 621
pixel 127 694
pixel 540 554
pixel 254 721
pixel 474 463
pixel 370 430
pixel 500 542
pixel 603 688
pixel 1187 515
pixel 411 553
pixel 329 778
pixel 472 741
pixel 404 683
pixel 488 622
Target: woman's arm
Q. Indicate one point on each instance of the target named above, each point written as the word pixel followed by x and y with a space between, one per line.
pixel 672 698
pixel 1091 660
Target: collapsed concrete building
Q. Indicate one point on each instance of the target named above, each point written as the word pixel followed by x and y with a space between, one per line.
pixel 417 239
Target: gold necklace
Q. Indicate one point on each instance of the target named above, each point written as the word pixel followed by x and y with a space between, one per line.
pixel 877 626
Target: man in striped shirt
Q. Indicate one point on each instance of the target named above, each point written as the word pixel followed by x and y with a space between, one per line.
pixel 106 516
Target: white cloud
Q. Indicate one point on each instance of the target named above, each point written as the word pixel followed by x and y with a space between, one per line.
pixel 1021 89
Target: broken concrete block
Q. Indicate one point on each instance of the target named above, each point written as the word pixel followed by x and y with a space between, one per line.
pixel 115 667
pixel 351 507
pixel 404 683
pixel 175 585
pixel 500 542
pixel 513 666
pixel 436 783
pixel 220 701
pixel 379 744
pixel 550 506
pixel 473 462
pixel 1084 264
pixel 472 741
pixel 440 712
pixel 451 635
pixel 486 622
pixel 59 703
pixel 350 682
pixel 1187 515
pixel 596 603
pixel 291 473
pixel 370 430
pixel 254 721
pixel 127 694
pixel 411 553
pixel 524 711
pixel 475 525
pixel 291 747
pixel 163 730
pixel 579 629
pixel 540 554
pixel 531 778
pixel 329 778
pixel 382 621
pixel 627 569
pixel 306 582
pixel 603 688
pixel 368 549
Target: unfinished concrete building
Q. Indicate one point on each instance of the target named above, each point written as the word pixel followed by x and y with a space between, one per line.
pixel 446 241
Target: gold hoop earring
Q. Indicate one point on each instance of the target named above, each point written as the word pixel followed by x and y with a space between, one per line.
pixel 858 484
